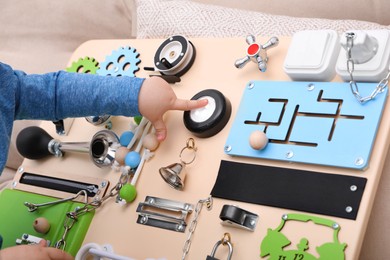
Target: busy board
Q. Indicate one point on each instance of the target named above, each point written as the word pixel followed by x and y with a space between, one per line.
pixel 257 101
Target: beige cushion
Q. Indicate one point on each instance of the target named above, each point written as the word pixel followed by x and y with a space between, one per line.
pixel 39 36
pixel 163 18
pixel 372 11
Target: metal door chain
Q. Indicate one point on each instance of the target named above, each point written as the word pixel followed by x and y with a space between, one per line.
pixel 352 83
pixel 209 204
pixel 71 217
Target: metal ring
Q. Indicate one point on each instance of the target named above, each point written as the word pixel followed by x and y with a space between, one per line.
pixel 190 146
pixel 225 239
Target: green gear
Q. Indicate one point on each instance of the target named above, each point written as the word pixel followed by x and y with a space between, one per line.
pixel 86 65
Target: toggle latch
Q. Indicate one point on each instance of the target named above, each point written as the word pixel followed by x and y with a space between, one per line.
pixel 234 216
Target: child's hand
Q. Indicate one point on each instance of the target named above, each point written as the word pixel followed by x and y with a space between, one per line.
pixel 34 252
pixel 157 97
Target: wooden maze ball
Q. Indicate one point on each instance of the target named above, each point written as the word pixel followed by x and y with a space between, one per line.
pixel 41 225
pixel 120 154
pixel 258 140
pixel 150 142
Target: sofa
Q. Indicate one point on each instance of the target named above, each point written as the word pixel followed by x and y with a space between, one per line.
pixel 39 36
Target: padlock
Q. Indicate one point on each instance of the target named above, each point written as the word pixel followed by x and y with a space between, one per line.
pixel 224 241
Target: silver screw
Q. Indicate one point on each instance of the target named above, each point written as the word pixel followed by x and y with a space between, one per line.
pixel 251 85
pixel 227 148
pixel 14 184
pixel 143 220
pixel 20 169
pixel 253 223
pixel 335 226
pixel 348 209
pixel 187 207
pixel 289 154
pixel 180 227
pixel 285 217
pixel 103 184
pixel 359 161
pixel 353 188
pixel 310 87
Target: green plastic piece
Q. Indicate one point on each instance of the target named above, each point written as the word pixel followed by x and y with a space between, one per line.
pixel 128 192
pixel 137 119
pixel 274 242
pixel 86 65
pixel 16 220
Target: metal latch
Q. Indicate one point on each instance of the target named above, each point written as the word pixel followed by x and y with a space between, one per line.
pixel 164 213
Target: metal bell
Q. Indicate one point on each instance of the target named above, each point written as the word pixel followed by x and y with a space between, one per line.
pixel 174 175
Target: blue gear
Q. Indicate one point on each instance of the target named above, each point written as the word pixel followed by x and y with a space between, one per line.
pixel 121 62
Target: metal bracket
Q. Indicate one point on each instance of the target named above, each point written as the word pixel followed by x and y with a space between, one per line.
pixel 63 126
pixel 27 239
pixel 234 216
pixel 150 213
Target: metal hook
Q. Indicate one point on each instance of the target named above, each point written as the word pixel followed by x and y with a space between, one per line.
pixel 33 207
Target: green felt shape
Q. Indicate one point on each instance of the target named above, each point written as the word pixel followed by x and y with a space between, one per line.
pixel 16 220
pixel 274 242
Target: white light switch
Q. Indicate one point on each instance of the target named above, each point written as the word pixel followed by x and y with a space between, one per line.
pixel 312 55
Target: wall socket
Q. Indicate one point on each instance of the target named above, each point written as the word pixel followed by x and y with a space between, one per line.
pixel 370 53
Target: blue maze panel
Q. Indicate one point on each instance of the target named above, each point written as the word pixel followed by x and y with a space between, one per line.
pixel 317 123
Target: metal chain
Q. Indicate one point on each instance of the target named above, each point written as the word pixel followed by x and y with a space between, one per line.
pixel 209 204
pixel 351 67
pixel 71 217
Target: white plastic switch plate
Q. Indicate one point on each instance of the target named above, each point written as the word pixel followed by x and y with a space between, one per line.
pixel 370 53
pixel 312 55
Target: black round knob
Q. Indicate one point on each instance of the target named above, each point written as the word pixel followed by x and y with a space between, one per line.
pixel 32 143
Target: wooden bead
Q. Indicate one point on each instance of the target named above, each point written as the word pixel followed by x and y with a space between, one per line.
pixel 41 225
pixel 120 154
pixel 258 140
pixel 128 192
pixel 132 159
pixel 150 142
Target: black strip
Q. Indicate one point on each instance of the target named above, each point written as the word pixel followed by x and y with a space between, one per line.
pixel 321 193
pixel 58 184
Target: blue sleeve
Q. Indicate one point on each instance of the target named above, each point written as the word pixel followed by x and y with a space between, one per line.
pixel 59 95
